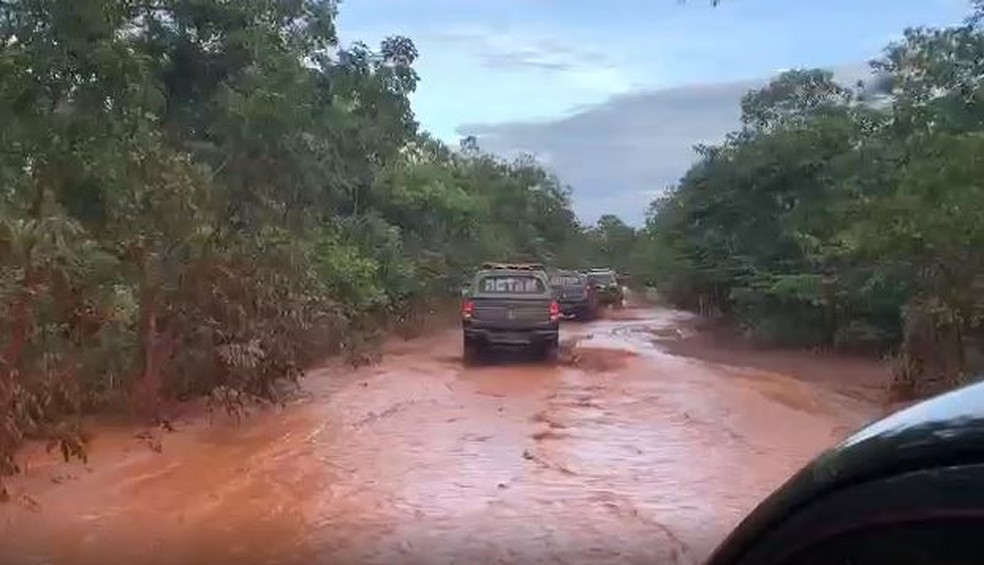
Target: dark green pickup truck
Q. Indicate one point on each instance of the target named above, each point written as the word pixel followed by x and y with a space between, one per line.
pixel 607 287
pixel 509 306
pixel 577 298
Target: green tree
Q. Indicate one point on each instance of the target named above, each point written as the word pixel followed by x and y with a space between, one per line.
pixel 202 197
pixel 613 243
pixel 832 217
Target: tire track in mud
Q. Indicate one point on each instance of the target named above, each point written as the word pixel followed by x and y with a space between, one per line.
pixel 595 362
pixel 625 508
pixel 580 409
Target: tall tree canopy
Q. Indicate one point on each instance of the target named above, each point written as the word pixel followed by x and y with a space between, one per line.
pixel 845 218
pixel 203 196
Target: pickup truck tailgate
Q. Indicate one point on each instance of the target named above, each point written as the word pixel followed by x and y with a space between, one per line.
pixel 569 293
pixel 512 312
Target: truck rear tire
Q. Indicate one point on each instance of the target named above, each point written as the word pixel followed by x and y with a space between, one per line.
pixel 550 350
pixel 471 351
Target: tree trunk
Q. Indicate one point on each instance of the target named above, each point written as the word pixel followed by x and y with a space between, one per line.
pixel 20 324
pixel 148 385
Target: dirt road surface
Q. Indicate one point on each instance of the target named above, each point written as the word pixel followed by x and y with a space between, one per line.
pixel 622 453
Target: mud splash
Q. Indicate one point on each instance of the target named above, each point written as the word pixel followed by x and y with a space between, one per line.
pixel 624 453
pixel 597 359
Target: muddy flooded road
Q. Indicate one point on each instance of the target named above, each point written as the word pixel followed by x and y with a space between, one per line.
pixel 622 453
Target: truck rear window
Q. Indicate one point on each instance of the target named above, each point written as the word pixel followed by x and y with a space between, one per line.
pixel 512 284
pixel 605 278
pixel 566 280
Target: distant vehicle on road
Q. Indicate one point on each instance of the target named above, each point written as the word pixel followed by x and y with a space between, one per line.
pixel 510 306
pixel 577 298
pixel 606 285
pixel 908 489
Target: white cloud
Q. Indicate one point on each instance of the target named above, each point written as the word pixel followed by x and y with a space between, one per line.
pixel 620 154
pixel 580 64
pixel 605 80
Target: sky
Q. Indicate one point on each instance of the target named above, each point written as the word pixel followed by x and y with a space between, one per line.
pixel 612 95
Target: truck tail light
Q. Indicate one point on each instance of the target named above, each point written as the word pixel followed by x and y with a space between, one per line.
pixel 554 311
pixel 467 309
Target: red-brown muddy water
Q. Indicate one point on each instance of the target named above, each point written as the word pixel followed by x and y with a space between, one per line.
pixel 623 453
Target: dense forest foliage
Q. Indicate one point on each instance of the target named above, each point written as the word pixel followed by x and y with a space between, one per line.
pixel 845 217
pixel 202 197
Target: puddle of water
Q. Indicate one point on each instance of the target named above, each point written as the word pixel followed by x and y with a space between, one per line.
pixel 624 454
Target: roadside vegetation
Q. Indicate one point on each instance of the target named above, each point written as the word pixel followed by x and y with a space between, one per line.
pixel 202 198
pixel 841 217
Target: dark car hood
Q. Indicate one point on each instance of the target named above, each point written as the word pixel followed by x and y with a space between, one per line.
pixel 947 429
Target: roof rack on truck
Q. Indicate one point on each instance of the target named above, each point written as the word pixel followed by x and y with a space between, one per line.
pixel 513 266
